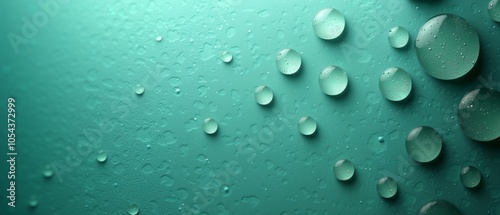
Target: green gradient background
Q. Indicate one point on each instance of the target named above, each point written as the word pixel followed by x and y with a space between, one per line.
pixel 79 71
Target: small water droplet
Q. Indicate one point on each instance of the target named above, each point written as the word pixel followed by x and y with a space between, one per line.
pixel 158 38
pixel 398 37
pixel 423 144
pixel 133 209
pixel 263 95
pixel 288 61
pixel 307 125
pixel 33 201
pixel 395 84
pixel 333 80
pixel 470 177
pixel 139 90
pixel 494 10
pixel 439 207
pixel 210 126
pixel 48 171
pixel 328 24
pixel 343 170
pixel 101 156
pixel 226 56
pixel 387 187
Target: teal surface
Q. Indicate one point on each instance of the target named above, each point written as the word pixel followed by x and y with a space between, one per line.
pixel 74 75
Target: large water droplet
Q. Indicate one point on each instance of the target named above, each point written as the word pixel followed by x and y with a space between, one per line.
pixel 333 80
pixel 139 90
pixel 395 84
pixel 439 207
pixel 470 176
pixel 288 61
pixel 343 170
pixel 398 37
pixel 133 209
pixel 423 144
pixel 479 114
pixel 387 187
pixel 210 126
pixel 101 156
pixel 307 125
pixel 447 47
pixel 328 24
pixel 263 95
pixel 226 56
pixel 494 10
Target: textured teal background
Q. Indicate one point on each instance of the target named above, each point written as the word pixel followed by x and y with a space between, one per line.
pixel 74 82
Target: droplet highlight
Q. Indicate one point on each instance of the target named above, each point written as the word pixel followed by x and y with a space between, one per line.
pixel 263 95
pixel 447 47
pixel 479 114
pixel 210 126
pixel 395 84
pixel 333 80
pixel 307 126
pixel 343 170
pixel 470 177
pixel 423 144
pixel 398 37
pixel 328 24
pixel 387 187
pixel 288 61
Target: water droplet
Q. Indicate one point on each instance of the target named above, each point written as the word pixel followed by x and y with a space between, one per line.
pixel 439 207
pixel 307 125
pixel 395 84
pixel 288 61
pixel 343 170
pixel 133 209
pixel 387 187
pixel 101 156
pixel 381 139
pixel 333 80
pixel 470 177
pixel 225 190
pixel 210 126
pixel 328 24
pixel 33 201
pixel 139 90
pixel 158 38
pixel 226 56
pixel 177 90
pixel 423 144
pixel 454 31
pixel 263 95
pixel 398 37
pixel 479 114
pixel 494 10
pixel 48 171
